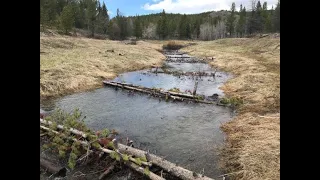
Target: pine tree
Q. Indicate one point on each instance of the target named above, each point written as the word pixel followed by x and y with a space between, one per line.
pixel 137 28
pixel 265 18
pixel 259 19
pixel 105 18
pixel 162 26
pixel 110 31
pixel 60 4
pixel 251 24
pixel 91 15
pixel 67 18
pixel 268 24
pixel 48 12
pixel 197 28
pixel 242 21
pixel 184 27
pixel 276 18
pixel 230 20
pixel 158 29
pixel 122 24
pixel 80 17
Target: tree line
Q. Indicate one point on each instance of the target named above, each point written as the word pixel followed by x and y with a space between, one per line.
pixel 92 16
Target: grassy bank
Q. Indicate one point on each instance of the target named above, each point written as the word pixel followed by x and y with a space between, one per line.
pixel 253 137
pixel 72 64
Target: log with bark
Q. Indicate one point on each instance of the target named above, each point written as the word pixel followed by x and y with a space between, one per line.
pixel 161 162
pixel 160 93
pixel 166 165
pixel 130 164
pixel 86 144
pixel 110 169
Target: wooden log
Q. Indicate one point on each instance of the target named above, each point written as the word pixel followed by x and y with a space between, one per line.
pixel 152 176
pixel 61 127
pixel 106 172
pixel 181 94
pixel 85 143
pixel 54 169
pixel 139 169
pixel 143 89
pixel 166 165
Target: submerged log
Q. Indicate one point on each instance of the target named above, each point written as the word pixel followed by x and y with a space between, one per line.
pixel 171 94
pixel 54 169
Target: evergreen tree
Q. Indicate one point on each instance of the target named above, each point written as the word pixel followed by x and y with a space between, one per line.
pixel 268 24
pixel 230 20
pixel 137 28
pixel 80 15
pixel 184 28
pixel 251 23
pixel 162 26
pixel 276 18
pixel 197 28
pixel 91 15
pixel 48 12
pixel 67 18
pixel 110 31
pixel 258 18
pixel 60 4
pixel 105 18
pixel 122 24
pixel 266 18
pixel 242 21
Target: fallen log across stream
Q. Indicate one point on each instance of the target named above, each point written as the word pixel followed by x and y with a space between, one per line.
pixel 167 166
pixel 159 93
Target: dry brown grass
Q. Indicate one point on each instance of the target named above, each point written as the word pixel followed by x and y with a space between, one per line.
pixel 253 142
pixel 72 64
pixel 172 45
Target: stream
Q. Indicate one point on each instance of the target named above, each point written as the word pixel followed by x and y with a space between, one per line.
pixel 184 133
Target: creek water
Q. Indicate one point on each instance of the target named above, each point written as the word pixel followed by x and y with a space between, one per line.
pixel 184 133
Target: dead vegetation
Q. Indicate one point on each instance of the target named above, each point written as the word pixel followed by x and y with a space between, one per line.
pixel 172 45
pixel 252 150
pixel 71 64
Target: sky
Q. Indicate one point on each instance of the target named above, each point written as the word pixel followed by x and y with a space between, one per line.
pixel 141 7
